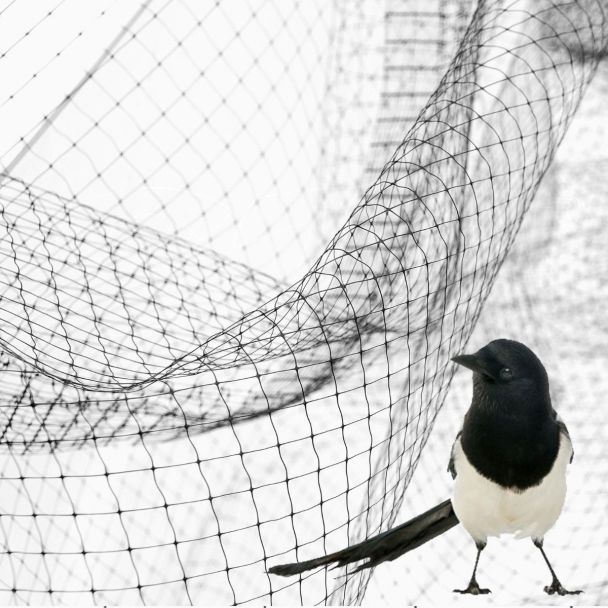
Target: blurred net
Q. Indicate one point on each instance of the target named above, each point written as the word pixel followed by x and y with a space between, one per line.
pixel 239 248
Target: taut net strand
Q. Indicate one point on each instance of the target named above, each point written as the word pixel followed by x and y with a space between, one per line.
pixel 214 359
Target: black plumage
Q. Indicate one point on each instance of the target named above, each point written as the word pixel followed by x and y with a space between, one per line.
pixel 386 546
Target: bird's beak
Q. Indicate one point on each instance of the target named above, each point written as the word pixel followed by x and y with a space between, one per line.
pixel 474 363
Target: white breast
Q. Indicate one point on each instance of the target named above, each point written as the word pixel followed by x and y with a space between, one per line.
pixel 486 509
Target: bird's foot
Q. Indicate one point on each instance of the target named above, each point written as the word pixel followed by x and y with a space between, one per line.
pixel 473 589
pixel 556 587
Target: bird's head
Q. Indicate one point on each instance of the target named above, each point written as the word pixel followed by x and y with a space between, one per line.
pixel 507 371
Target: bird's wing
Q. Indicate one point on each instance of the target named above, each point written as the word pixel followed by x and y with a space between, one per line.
pixel 451 467
pixel 563 429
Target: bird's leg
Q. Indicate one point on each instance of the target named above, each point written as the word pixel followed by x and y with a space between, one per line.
pixel 555 586
pixel 473 587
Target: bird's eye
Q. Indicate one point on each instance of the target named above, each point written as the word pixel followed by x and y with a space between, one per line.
pixel 506 373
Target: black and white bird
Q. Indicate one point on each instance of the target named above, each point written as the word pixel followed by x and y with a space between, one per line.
pixel 508 463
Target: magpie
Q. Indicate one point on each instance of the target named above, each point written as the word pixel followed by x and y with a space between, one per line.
pixel 508 463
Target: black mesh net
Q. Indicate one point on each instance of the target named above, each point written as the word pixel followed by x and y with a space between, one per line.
pixel 240 244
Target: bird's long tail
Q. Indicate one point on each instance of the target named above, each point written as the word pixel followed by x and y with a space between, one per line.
pixel 386 546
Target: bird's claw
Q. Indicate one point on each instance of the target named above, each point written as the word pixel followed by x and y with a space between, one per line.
pixel 473 589
pixel 556 587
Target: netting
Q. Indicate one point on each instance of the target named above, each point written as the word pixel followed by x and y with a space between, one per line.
pixel 239 245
